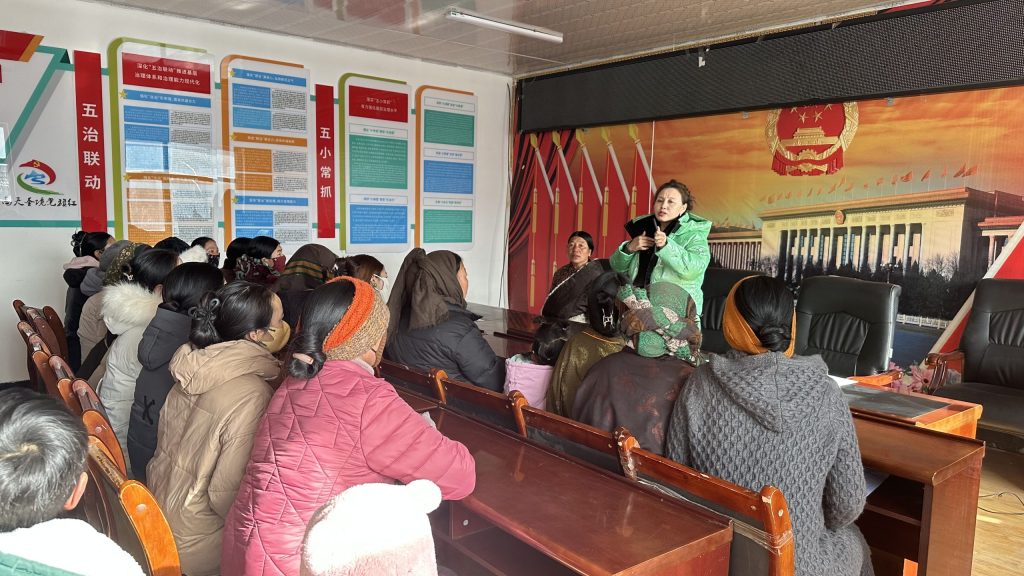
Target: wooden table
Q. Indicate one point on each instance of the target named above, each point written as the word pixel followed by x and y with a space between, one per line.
pixel 539 512
pixel 959 417
pixel 508 347
pixel 514 323
pixel 927 509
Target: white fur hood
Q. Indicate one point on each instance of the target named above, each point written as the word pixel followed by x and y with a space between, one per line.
pixel 193 254
pixel 127 306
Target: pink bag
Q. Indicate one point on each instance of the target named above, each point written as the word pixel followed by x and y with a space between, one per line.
pixel 529 378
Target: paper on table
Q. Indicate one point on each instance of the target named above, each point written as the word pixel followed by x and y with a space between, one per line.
pixel 842 381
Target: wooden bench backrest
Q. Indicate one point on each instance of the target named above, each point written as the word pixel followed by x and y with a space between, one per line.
pixel 136 522
pixel 42 327
pixel 57 325
pixel 476 402
pixel 41 361
pixel 19 309
pixel 576 439
pixel 97 425
pixel 767 511
pixel 423 383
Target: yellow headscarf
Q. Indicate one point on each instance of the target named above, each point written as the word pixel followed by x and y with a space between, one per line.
pixel 738 333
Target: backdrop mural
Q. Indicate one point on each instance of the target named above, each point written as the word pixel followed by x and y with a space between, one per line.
pixel 920 191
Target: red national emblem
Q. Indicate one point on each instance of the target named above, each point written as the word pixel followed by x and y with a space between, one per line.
pixel 840 217
pixel 810 140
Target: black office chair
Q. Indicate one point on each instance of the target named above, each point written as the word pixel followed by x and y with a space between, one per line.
pixel 717 284
pixel 849 322
pixel 992 355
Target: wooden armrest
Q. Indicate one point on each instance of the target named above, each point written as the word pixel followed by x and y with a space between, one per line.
pixel 941 363
pixel 936 358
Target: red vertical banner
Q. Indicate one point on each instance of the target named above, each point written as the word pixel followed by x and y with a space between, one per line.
pixel 92 173
pixel 325 189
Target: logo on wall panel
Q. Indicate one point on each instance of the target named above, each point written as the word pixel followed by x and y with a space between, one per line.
pixel 810 140
pixel 35 176
pixel 840 218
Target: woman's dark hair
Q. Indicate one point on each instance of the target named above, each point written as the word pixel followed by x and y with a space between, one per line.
pixel 548 342
pixel 585 236
pixel 172 243
pixel 766 304
pixel 237 248
pixel 230 313
pixel 150 267
pixel 202 241
pixel 602 304
pixel 187 283
pixel 361 266
pixel 324 308
pixel 684 192
pixel 262 247
pixel 87 243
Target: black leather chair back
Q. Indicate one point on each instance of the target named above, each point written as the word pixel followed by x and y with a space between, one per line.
pixel 993 340
pixel 717 284
pixel 850 322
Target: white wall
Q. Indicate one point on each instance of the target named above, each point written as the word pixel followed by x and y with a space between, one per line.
pixel 32 258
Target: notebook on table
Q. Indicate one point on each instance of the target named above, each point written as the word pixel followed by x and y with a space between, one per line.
pixel 890 403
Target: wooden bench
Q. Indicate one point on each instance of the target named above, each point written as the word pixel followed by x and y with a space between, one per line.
pixel 97 425
pixel 484 405
pixel 422 383
pixel 762 541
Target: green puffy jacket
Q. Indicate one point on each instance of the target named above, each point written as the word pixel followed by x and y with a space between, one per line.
pixel 682 260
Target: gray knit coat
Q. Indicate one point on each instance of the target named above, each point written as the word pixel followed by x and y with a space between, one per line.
pixel 767 419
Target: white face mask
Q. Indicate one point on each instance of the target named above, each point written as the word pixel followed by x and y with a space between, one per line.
pixel 379 283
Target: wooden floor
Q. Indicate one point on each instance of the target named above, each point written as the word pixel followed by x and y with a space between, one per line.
pixel 999 540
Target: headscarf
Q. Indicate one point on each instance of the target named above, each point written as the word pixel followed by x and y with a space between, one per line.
pixel 738 332
pixel 663 317
pixel 93 282
pixel 123 257
pixel 362 327
pixel 254 270
pixel 425 286
pixel 307 269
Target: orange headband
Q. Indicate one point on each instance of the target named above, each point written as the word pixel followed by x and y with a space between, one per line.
pixel 355 317
pixel 739 334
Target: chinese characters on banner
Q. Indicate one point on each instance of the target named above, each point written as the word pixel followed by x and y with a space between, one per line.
pixel 266 134
pixel 446 166
pixel 376 191
pixel 324 141
pixel 92 173
pixel 164 169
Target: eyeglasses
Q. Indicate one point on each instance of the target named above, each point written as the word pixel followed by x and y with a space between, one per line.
pixel 379 283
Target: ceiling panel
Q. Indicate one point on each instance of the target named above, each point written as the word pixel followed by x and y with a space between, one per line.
pixel 594 30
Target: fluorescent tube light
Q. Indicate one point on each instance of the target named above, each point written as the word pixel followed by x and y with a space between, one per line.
pixel 509 26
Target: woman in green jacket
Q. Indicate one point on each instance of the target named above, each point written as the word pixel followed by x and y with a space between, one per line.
pixel 669 245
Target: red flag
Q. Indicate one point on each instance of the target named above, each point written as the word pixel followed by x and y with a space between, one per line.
pixel 833 188
pixel 926 175
pixel 564 217
pixel 908 176
pixel 616 210
pixel 971 171
pixel 961 171
pixel 789 195
pixel 588 202
pixel 540 232
pixel 850 187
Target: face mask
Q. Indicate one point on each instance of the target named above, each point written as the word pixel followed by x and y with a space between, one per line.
pixel 380 284
pixel 213 259
pixel 279 263
pixel 276 338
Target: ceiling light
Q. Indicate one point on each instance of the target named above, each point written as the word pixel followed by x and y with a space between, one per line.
pixel 509 26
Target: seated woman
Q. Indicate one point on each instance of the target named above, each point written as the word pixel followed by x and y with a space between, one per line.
pixel 167 332
pixel 637 387
pixel 128 307
pixel 760 416
pixel 363 267
pixel 308 268
pixel 567 299
pixel 670 245
pixel 430 325
pixel 583 350
pixel 331 425
pixel 262 263
pixel 211 415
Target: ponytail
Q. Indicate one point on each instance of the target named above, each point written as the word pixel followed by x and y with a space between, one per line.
pixel 230 313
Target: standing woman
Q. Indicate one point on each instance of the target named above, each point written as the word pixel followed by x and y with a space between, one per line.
pixel 567 299
pixel 212 250
pixel 430 326
pixel 670 245
pixel 308 268
pixel 262 263
pixel 88 248
pixel 208 422
pixel 167 332
pixel 235 250
pixel 761 416
pixel 331 425
pixel 128 307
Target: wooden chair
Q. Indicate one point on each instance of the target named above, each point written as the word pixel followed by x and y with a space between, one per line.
pixel 476 402
pixel 576 439
pixel 423 383
pixel 33 344
pixel 134 519
pixel 762 533
pixel 19 309
pixel 42 327
pixel 57 325
pixel 47 375
pixel 86 396
pixel 97 425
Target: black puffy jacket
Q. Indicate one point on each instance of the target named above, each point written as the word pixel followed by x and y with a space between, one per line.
pixel 73 303
pixel 455 346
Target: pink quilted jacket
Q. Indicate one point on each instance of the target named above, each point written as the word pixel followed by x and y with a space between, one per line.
pixel 318 437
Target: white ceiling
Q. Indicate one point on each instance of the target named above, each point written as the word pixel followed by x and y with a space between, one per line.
pixel 594 31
